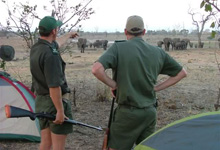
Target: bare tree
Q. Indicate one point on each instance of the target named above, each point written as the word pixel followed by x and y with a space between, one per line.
pixel 209 5
pixel 200 24
pixel 79 13
pixel 20 20
pixel 21 17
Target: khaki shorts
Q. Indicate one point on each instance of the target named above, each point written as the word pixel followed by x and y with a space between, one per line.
pixel 45 104
pixel 131 126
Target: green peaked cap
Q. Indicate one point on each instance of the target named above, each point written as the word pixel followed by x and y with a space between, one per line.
pixel 49 23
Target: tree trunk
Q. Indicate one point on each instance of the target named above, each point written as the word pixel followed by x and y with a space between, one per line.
pixel 199 40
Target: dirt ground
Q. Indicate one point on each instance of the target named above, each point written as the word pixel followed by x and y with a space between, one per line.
pixel 193 95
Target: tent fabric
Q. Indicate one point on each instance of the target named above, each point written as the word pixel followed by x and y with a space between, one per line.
pixel 14 93
pixel 199 132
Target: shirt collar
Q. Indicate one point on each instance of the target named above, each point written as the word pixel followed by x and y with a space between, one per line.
pixel 44 41
pixel 136 38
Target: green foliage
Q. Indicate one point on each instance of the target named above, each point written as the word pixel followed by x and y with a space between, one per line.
pixel 213 34
pixel 202 4
pixel 212 25
pixel 209 5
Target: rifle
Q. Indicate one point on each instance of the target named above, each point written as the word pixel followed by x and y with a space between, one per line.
pixel 15 112
pixel 106 136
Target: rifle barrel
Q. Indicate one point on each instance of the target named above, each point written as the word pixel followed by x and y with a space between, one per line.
pixel 83 124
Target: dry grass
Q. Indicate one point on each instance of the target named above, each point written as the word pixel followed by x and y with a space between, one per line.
pixel 195 94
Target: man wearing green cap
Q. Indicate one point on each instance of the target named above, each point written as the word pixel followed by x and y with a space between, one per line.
pixel 136 66
pixel 49 83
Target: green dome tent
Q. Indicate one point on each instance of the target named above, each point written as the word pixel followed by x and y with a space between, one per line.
pixel 199 132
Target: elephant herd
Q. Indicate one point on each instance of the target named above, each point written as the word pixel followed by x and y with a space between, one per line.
pixel 100 44
pixel 83 43
pixel 175 43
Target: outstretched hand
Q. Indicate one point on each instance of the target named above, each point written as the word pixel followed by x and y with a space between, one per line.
pixel 61 40
pixel 73 34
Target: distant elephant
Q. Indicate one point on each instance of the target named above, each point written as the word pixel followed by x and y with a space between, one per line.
pixel 82 44
pixel 191 45
pixel 178 45
pixel 196 45
pixel 97 44
pixel 101 44
pixel 201 44
pixel 167 42
pixel 219 42
pixel 90 45
pixel 159 44
pixel 174 41
pixel 181 45
pixel 187 42
pixel 104 44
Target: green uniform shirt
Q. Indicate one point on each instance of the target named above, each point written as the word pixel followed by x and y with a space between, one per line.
pixel 47 67
pixel 136 66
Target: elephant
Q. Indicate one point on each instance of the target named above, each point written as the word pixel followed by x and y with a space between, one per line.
pixel 201 44
pixel 159 44
pixel 174 41
pixel 104 44
pixel 82 44
pixel 101 44
pixel 181 45
pixel 196 45
pixel 167 42
pixel 90 45
pixel 97 44
pixel 187 42
pixel 191 45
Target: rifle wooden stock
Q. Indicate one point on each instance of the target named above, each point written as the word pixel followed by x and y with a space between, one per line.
pixel 15 112
pixel 105 141
pixel 106 135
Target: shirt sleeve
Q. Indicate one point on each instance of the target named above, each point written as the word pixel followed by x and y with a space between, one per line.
pixel 170 67
pixel 109 58
pixel 53 71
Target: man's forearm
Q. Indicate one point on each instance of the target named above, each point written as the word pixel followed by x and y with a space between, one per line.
pixel 56 96
pixel 107 80
pixel 63 38
pixel 171 81
pixel 99 72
